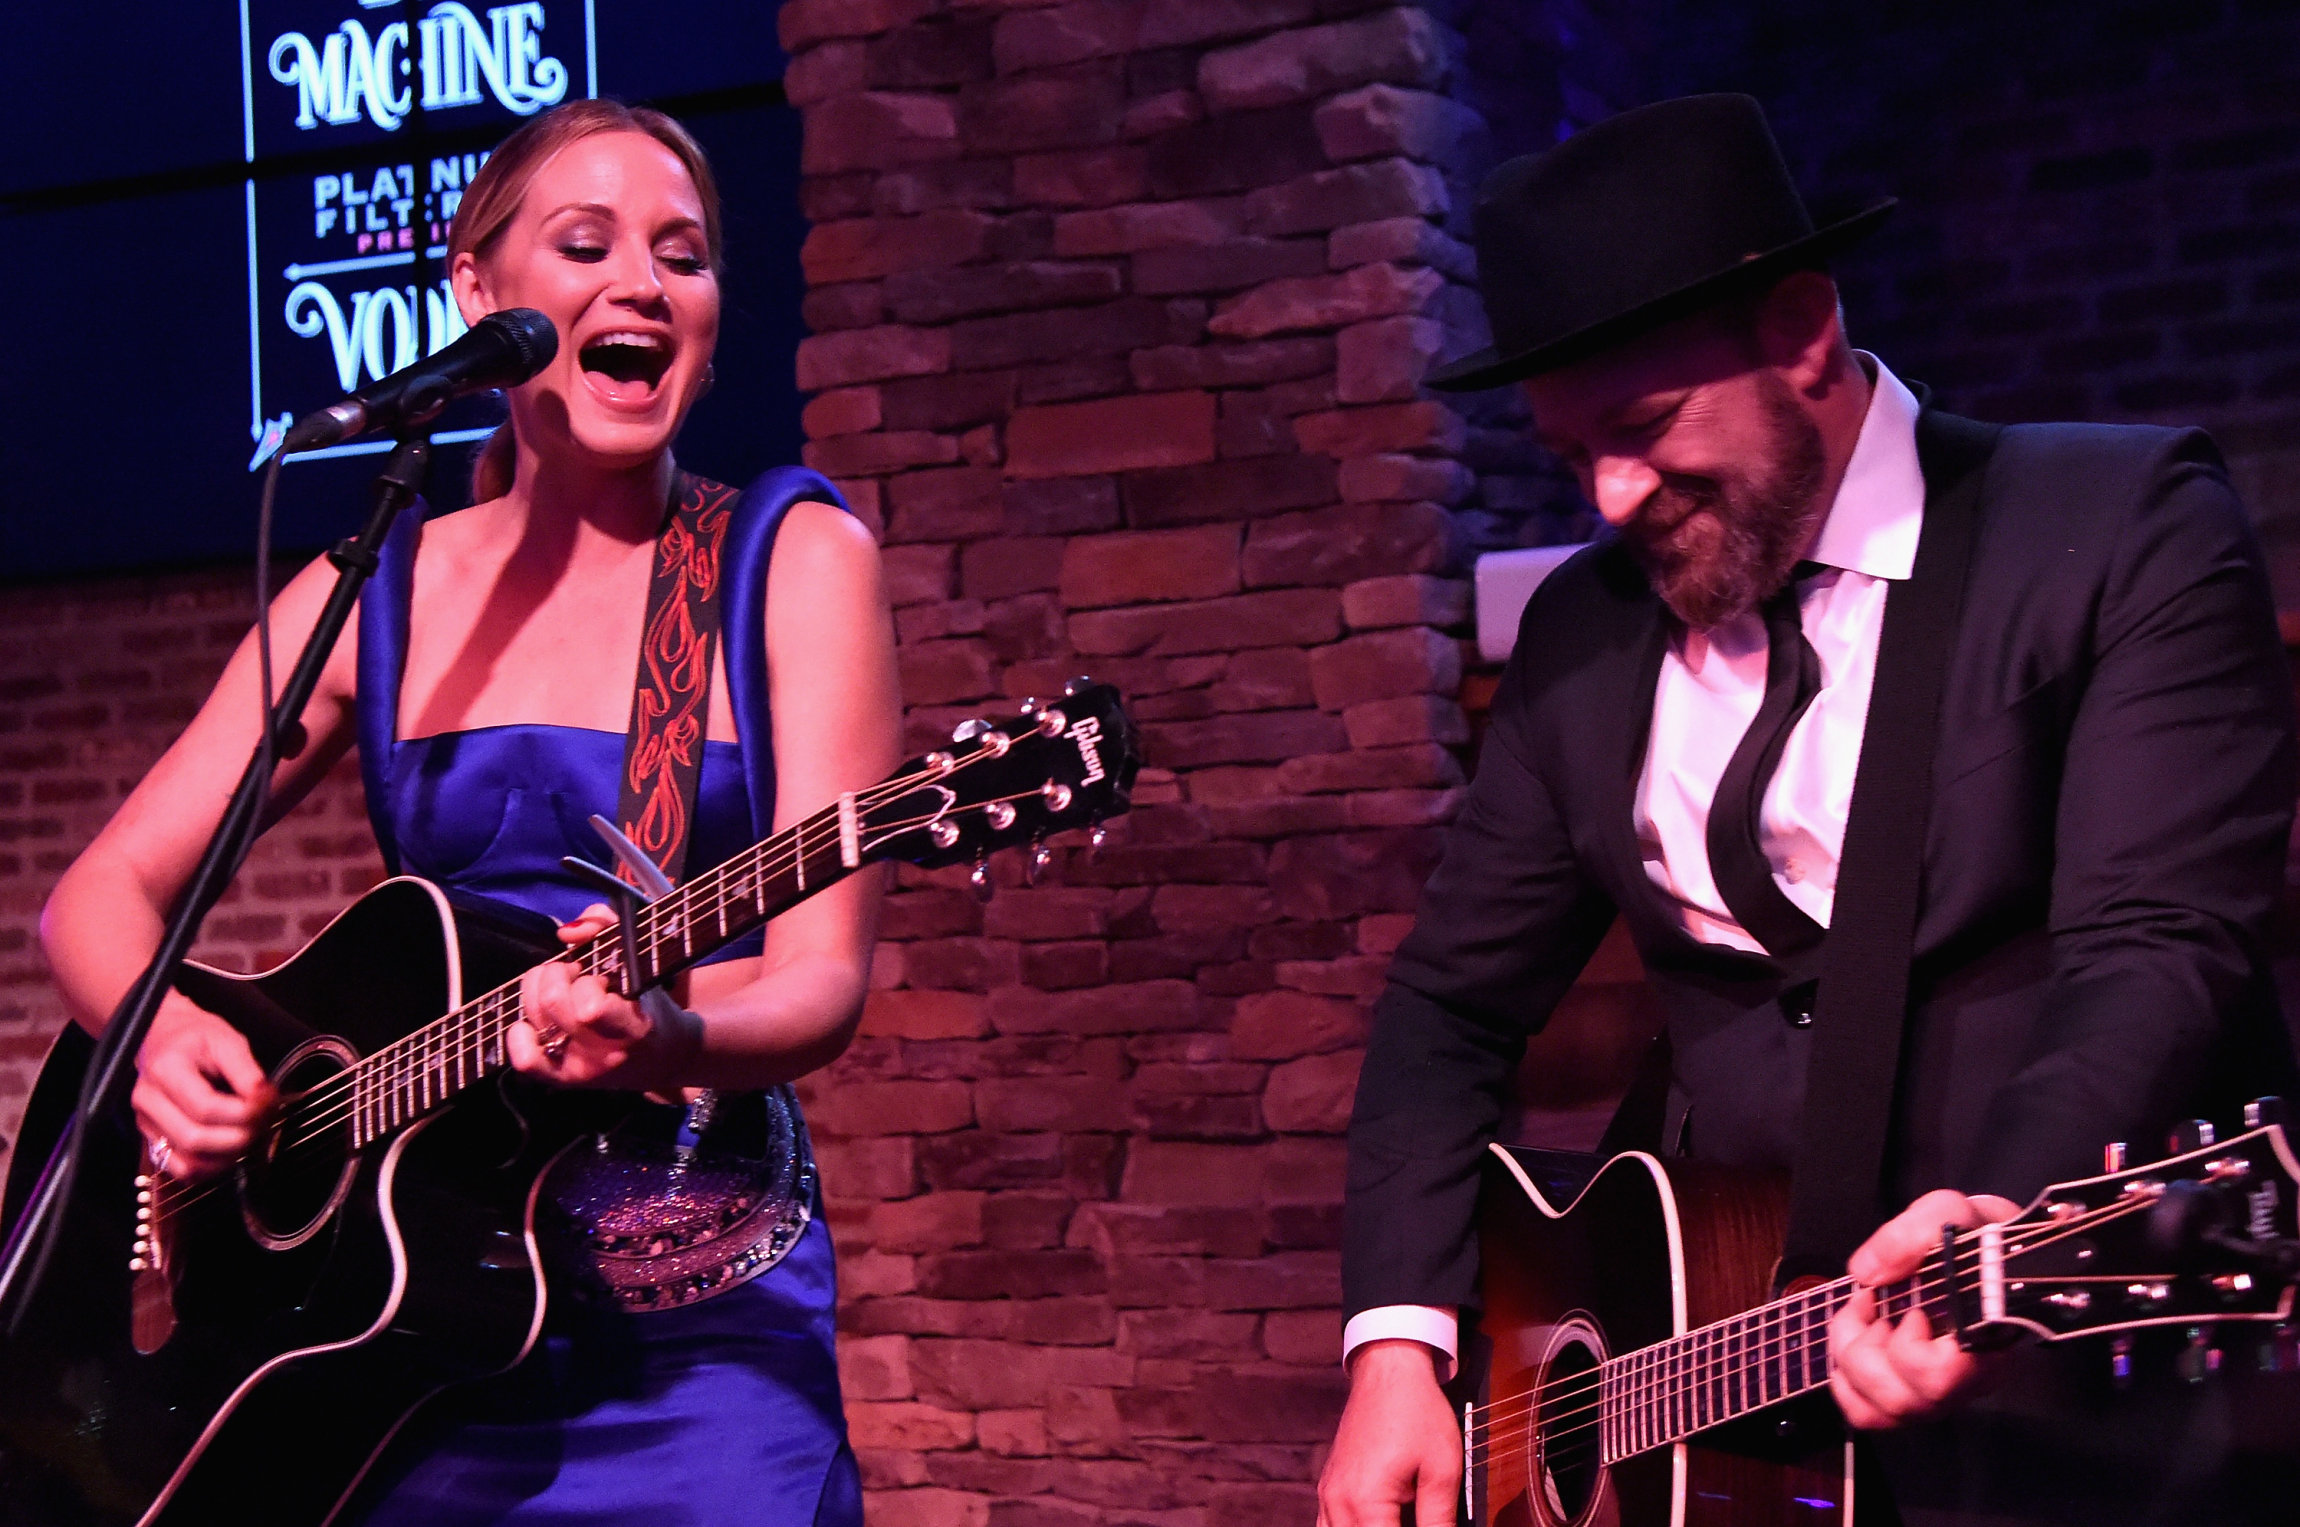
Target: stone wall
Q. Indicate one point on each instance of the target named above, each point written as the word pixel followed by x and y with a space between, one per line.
pixel 1119 312
pixel 2100 203
pixel 96 679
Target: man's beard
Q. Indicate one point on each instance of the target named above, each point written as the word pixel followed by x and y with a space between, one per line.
pixel 1716 547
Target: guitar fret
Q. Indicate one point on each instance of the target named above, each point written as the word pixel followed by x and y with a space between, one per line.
pixel 1645 1400
pixel 435 1063
pixel 1699 1363
pixel 1634 1371
pixel 1741 1349
pixel 1608 1415
pixel 1720 1375
pixel 1796 1336
pixel 1785 1368
pixel 1653 1398
pixel 1708 1377
pixel 1799 1375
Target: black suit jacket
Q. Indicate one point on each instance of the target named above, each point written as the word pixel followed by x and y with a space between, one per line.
pixel 2113 794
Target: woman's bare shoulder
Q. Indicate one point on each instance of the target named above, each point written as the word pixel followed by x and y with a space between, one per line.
pixel 826 539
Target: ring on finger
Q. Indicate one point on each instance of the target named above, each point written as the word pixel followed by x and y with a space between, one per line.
pixel 162 1154
pixel 553 1039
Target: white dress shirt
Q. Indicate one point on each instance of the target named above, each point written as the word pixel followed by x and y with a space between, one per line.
pixel 1712 682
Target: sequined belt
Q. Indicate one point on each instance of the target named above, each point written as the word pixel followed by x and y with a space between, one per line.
pixel 678 1204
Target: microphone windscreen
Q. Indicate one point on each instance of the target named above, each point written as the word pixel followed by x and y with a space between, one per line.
pixel 533 338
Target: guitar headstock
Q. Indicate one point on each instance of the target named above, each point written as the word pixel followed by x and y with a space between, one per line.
pixel 1066 763
pixel 2210 1234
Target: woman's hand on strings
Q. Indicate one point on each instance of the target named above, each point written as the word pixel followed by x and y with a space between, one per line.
pixel 574 1031
pixel 200 1095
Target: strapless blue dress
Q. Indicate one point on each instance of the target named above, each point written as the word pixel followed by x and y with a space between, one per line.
pixel 718 1413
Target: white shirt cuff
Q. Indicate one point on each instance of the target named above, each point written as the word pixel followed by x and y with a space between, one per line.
pixel 1432 1325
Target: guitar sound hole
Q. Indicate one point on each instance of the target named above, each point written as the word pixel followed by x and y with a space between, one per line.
pixel 298 1171
pixel 1567 1460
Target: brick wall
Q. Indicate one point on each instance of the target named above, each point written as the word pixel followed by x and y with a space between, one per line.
pixel 2101 203
pixel 1119 312
pixel 95 680
pixel 1118 309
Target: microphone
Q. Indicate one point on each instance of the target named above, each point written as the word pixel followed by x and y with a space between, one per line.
pixel 501 350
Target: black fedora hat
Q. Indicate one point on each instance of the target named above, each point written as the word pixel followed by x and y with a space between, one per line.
pixel 1640 219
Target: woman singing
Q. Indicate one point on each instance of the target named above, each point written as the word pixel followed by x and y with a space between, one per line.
pixel 489 685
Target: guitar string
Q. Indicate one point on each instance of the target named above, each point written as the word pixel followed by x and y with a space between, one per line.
pixel 685 902
pixel 317 1127
pixel 1659 1375
pixel 1774 1319
pixel 1673 1391
pixel 472 1021
pixel 1780 1309
pixel 499 1002
pixel 1662 1379
pixel 490 1005
pixel 1669 1400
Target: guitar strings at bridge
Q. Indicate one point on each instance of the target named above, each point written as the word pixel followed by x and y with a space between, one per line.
pixel 1660 1394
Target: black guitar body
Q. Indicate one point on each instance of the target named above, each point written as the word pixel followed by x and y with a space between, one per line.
pixel 309 1302
pixel 244 1355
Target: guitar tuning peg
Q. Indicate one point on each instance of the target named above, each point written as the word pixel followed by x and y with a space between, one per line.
pixel 969 729
pixel 2260 1111
pixel 2112 1156
pixel 1030 705
pixel 2190 1135
pixel 1071 690
pixel 979 877
pixel 1096 836
pixel 1036 859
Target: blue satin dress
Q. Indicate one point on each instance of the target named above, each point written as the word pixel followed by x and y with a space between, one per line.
pixel 722 1412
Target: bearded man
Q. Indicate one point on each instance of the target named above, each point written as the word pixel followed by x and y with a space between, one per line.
pixel 2101 815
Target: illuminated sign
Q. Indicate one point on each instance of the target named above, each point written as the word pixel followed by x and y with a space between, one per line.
pixel 346 275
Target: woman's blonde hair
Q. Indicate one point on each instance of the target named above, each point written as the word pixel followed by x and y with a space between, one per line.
pixel 492 200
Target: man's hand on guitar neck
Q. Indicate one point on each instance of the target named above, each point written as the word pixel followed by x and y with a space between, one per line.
pixel 1398 1444
pixel 1884 1374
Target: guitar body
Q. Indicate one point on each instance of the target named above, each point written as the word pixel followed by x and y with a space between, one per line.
pixel 1647 1250
pixel 241 1350
pixel 305 1305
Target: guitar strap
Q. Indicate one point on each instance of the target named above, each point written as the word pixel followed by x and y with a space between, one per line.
pixel 1837 1193
pixel 670 700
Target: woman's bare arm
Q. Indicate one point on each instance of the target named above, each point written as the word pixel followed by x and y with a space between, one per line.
pixel 837 726
pixel 105 917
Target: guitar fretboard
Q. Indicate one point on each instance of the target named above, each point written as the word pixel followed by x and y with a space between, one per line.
pixel 1668 1391
pixel 418 1072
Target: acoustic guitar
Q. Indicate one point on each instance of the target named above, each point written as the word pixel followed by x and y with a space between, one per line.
pixel 240 1350
pixel 1640 1375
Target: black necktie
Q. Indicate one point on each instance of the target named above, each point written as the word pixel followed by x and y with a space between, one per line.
pixel 1737 861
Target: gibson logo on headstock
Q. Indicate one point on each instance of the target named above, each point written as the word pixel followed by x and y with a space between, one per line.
pixel 1086 734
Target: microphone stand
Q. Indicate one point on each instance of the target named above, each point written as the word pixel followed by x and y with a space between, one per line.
pixel 106 1083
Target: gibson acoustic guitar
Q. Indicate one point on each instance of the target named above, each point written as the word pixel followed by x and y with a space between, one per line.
pixel 1639 1376
pixel 241 1350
